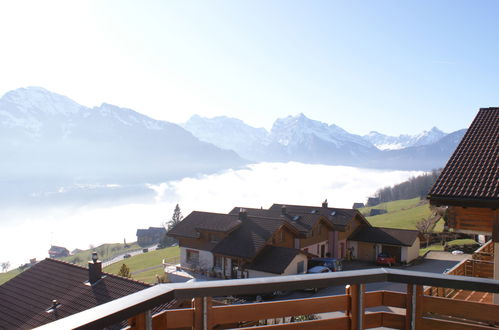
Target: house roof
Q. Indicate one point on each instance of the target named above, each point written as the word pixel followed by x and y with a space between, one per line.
pixel 273 259
pixel 151 230
pixel 56 248
pixel 249 238
pixel 390 236
pixel 204 221
pixel 471 176
pixel 25 299
pixel 336 216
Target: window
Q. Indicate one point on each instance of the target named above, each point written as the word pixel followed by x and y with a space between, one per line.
pixel 192 257
pixel 214 238
pixel 300 267
pixel 218 261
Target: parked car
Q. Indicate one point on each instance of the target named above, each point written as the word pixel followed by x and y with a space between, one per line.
pixel 385 259
pixel 317 270
pixel 332 263
pixel 127 256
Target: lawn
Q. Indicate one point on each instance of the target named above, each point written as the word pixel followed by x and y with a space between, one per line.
pixel 403 214
pixel 144 262
pixel 440 247
pixel 4 277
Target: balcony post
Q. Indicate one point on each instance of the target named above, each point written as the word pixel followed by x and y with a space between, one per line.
pixel 417 307
pixel 357 306
pixel 202 313
pixel 410 300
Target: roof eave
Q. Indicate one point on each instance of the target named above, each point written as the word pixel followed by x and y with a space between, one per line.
pixel 465 202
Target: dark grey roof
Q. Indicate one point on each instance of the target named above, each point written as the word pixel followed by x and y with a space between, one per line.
pixel 25 299
pixel 249 238
pixel 390 236
pixel 190 226
pixel 273 259
pixel 336 216
pixel 471 174
pixel 151 230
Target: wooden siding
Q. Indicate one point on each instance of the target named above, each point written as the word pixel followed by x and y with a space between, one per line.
pixel 320 233
pixel 471 219
pixel 283 237
pixel 350 228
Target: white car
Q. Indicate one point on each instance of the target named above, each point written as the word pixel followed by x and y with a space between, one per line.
pixel 318 270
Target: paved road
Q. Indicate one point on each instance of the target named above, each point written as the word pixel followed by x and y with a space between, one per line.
pixel 433 263
pixel 121 256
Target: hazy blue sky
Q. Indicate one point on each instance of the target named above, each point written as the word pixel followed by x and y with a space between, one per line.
pixel 394 66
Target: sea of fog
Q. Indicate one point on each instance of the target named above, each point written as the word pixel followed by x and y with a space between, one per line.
pixel 104 213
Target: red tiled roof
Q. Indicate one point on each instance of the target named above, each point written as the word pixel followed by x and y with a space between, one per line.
pixel 471 175
pixel 25 299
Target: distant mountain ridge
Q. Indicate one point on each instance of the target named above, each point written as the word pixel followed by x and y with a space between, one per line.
pixel 298 138
pixel 47 136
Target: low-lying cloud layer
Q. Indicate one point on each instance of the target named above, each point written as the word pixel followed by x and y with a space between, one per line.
pixel 259 185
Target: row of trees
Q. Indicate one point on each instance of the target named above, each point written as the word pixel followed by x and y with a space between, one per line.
pixel 418 186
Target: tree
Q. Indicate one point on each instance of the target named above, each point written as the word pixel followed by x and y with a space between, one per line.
pixel 176 219
pixel 425 227
pixel 5 266
pixel 124 271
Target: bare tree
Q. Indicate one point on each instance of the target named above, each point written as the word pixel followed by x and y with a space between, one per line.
pixel 425 228
pixel 5 266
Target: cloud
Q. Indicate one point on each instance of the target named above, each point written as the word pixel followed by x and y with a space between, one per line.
pixel 257 185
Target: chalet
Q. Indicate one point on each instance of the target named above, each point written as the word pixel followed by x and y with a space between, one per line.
pixel 58 252
pixel 367 242
pixel 469 185
pixel 323 230
pixel 150 236
pixel 53 289
pixel 238 246
pixel 358 205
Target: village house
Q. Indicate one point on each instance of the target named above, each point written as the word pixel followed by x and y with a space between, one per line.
pixel 238 246
pixel 469 187
pixel 58 252
pixel 150 236
pixel 252 242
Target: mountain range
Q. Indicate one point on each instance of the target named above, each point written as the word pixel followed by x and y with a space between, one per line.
pixel 298 138
pixel 47 137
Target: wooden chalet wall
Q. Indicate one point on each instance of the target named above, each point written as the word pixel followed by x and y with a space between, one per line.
pixel 472 219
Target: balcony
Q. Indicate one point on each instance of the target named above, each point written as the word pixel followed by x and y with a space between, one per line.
pixel 480 265
pixel 413 309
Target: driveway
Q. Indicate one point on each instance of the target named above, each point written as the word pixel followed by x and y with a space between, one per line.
pixel 433 263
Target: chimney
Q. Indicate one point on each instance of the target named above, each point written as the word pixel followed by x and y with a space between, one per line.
pixel 242 214
pixel 94 269
pixel 324 204
pixel 283 210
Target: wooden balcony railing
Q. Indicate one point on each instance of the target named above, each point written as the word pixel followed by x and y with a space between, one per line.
pixel 418 310
pixel 486 252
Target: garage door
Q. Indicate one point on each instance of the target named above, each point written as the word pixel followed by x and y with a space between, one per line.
pixel 393 251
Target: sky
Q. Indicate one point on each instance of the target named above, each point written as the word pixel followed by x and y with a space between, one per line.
pixel 392 66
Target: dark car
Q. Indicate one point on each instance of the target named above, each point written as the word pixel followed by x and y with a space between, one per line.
pixel 127 256
pixel 333 264
pixel 385 259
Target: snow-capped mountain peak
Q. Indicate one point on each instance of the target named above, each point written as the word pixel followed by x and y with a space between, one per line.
pixel 386 142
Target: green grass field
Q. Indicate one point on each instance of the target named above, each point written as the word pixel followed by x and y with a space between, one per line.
pixel 440 247
pixel 144 261
pixel 4 277
pixel 403 214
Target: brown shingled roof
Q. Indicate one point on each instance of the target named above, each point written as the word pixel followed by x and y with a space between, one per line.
pixel 390 236
pixel 471 175
pixel 25 299
pixel 273 259
pixel 197 220
pixel 249 238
